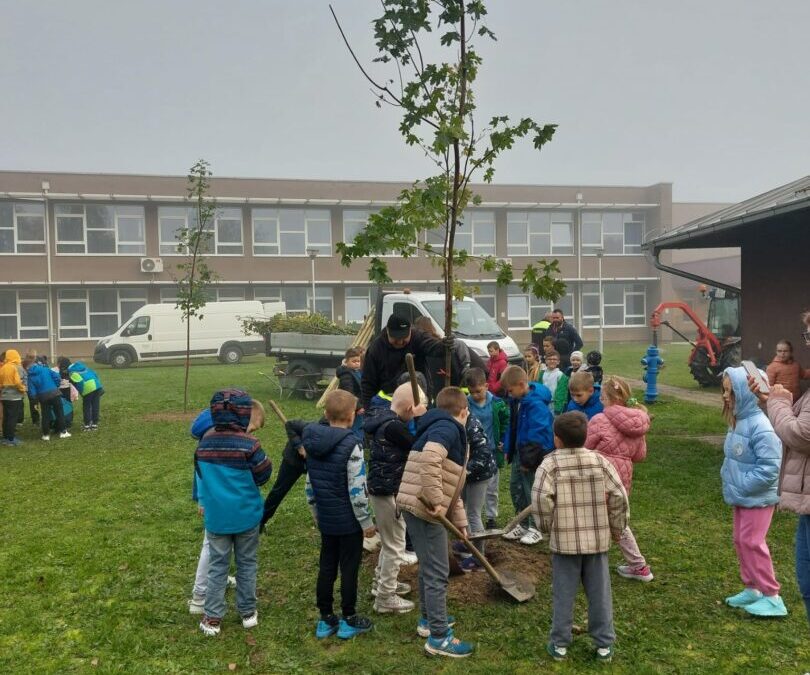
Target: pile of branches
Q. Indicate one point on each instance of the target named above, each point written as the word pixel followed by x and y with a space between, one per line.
pixel 311 324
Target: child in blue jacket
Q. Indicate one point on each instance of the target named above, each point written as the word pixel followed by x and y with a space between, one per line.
pixel 43 384
pixel 529 440
pixel 230 465
pixel 750 472
pixel 88 384
pixel 585 395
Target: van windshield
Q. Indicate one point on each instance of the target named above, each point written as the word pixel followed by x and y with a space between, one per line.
pixel 470 318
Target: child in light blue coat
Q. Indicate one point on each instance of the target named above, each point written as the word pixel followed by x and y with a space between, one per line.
pixel 753 454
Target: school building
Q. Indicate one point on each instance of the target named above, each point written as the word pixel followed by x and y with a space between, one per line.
pixel 80 252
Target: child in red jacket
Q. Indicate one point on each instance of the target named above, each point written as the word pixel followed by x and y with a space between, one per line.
pixel 619 433
pixel 497 364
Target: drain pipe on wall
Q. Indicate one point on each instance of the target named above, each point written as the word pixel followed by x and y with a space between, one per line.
pixel 51 323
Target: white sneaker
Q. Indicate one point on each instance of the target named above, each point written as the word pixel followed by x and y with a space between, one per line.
pixel 210 626
pixel 45 437
pixel 531 537
pixel 250 621
pixel 197 604
pixel 65 434
pixel 231 581
pixel 402 588
pixel 392 605
pixel 517 533
pixel 408 558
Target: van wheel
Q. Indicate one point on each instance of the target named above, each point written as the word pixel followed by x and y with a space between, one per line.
pixel 120 359
pixel 231 354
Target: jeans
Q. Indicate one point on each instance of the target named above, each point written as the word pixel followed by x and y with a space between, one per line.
pixel 493 489
pixel 285 479
pixel 803 560
pixel 245 546
pixel 566 573
pixel 391 527
pixel 90 407
pixel 48 406
pixel 343 552
pixel 430 544
pixel 11 415
pixel 201 577
pixel 475 495
pixel 520 488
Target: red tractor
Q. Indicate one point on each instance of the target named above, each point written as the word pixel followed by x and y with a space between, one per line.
pixel 718 344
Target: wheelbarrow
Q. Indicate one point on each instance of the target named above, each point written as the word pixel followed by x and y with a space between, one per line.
pixel 516 585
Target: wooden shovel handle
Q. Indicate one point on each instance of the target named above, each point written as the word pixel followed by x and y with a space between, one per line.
pixel 457 533
pixel 414 382
pixel 512 524
pixel 277 410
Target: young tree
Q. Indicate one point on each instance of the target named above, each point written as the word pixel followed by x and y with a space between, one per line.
pixel 194 240
pixel 438 115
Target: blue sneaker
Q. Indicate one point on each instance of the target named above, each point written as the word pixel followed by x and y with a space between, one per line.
pixel 744 597
pixel 326 627
pixel 354 625
pixel 470 564
pixel 423 630
pixel 16 441
pixel 767 606
pixel 556 652
pixel 448 646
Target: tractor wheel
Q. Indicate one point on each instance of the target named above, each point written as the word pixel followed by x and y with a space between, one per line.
pixel 702 371
pixel 731 356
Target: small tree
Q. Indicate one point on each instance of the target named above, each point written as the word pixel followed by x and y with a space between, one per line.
pixel 438 115
pixel 194 240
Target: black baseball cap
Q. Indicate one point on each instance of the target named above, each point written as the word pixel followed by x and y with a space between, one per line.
pixel 398 327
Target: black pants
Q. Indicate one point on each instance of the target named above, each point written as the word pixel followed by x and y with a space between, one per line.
pixel 91 405
pixel 344 552
pixel 12 411
pixel 33 406
pixel 285 478
pixel 48 406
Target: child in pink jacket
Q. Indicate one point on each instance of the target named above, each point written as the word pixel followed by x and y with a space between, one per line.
pixel 619 434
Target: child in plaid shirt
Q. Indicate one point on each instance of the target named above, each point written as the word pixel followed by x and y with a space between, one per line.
pixel 579 501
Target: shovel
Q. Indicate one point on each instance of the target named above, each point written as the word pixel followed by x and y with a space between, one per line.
pixel 279 413
pixel 511 525
pixel 516 586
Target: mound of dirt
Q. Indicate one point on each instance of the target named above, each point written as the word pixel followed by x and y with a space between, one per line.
pixel 479 587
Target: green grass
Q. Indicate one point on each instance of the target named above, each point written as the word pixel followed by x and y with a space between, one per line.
pixel 99 541
pixel 624 358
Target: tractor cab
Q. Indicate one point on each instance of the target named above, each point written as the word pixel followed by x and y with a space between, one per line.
pixel 724 314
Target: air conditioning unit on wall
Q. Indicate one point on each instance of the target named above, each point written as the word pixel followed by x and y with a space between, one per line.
pixel 149 265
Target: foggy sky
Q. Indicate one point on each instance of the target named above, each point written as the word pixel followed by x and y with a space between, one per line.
pixel 711 95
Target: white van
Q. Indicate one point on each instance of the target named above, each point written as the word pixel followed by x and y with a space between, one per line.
pixel 157 332
pixel 473 326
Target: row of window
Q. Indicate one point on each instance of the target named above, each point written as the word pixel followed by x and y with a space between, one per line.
pixel 95 313
pixel 119 229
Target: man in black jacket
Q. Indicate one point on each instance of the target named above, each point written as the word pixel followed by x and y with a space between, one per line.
pixel 385 358
pixel 560 328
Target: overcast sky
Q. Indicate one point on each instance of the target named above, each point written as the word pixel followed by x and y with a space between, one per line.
pixel 712 95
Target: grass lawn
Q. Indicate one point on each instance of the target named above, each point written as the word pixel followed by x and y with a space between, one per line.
pixel 624 358
pixel 99 542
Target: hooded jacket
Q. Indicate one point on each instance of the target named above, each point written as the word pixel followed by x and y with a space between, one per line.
pixel 593 405
pixel 384 363
pixel 792 425
pixel 43 383
pixel 336 480
pixel 533 421
pixel 230 466
pixel 753 452
pixel 349 380
pixel 83 378
pixel 497 364
pixel 390 444
pixel 434 469
pixel 619 433
pixel 12 386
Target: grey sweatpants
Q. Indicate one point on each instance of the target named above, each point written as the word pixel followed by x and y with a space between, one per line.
pixel 567 572
pixel 430 545
pixel 475 495
pixel 493 486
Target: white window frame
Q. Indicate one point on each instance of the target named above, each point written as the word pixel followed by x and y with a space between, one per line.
pixel 522 247
pixel 19 302
pixel 310 216
pixel 357 293
pixel 629 289
pixel 275 293
pixel 88 314
pixel 474 218
pixel 37 209
pixel 85 228
pixel 533 303
pixel 628 218
pixel 219 215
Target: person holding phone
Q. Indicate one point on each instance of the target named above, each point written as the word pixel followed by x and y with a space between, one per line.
pixel 791 421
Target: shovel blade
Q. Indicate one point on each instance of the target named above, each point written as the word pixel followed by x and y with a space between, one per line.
pixel 517 586
pixel 486 534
